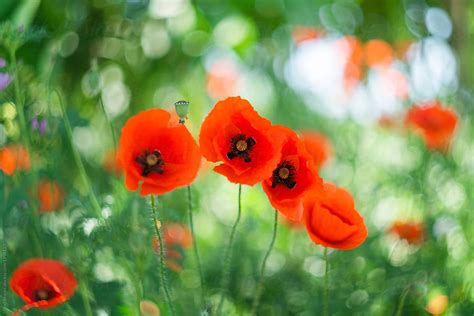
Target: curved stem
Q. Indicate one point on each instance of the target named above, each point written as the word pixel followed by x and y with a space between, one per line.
pixel 111 126
pixel 196 251
pixel 78 160
pixel 326 284
pixel 228 255
pixel 258 293
pixel 402 301
pixel 162 255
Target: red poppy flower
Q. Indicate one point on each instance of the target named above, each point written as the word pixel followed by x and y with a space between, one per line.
pixel 331 218
pixel 42 283
pixel 14 157
pixel 434 123
pixel 50 195
pixel 246 143
pixel 318 146
pixel 157 153
pixel 292 177
pixel 413 233
pixel 176 237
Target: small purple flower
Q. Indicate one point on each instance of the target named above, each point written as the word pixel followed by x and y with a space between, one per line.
pixel 5 80
pixel 43 126
pixel 3 62
pixel 34 123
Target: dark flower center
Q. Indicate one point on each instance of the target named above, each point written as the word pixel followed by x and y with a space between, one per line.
pixel 150 162
pixel 284 174
pixel 43 295
pixel 241 147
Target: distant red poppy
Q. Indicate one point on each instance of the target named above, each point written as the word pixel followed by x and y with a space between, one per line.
pixel 413 233
pixel 50 195
pixel 111 163
pixel 42 283
pixel 157 153
pixel 293 176
pixel 377 53
pixel 14 157
pixel 318 146
pixel 175 237
pixel 302 34
pixel 331 218
pixel 434 123
pixel 353 69
pixel 247 145
pixel 222 79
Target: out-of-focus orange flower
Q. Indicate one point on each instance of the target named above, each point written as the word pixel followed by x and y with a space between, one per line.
pixel 293 176
pixel 111 163
pixel 412 232
pixel 388 122
pixel 301 34
pixel 331 218
pixel 222 79
pixel 50 195
pixel 437 305
pixel 175 237
pixel 402 47
pixel 42 283
pixel 177 234
pixel 148 308
pixel 158 154
pixel 434 123
pixel 377 53
pixel 14 157
pixel 353 69
pixel 374 53
pixel 318 146
pixel 247 145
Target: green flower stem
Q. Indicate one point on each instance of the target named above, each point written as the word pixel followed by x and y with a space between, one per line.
pixel 85 298
pixel 111 126
pixel 162 256
pixel 258 293
pixel 78 160
pixel 326 283
pixel 402 301
pixel 20 102
pixel 195 247
pixel 228 255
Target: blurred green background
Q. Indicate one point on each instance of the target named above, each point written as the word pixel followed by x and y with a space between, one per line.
pixel 113 58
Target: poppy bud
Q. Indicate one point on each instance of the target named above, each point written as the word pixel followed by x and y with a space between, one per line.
pixel 182 108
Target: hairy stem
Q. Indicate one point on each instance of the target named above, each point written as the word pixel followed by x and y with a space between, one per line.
pixel 258 293
pixel 228 255
pixel 162 256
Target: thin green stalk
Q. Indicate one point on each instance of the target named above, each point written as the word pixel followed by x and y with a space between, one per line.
pixel 258 293
pixel 228 255
pixel 78 160
pixel 326 283
pixel 162 256
pixel 111 126
pixel 402 301
pixel 85 299
pixel 20 104
pixel 195 247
